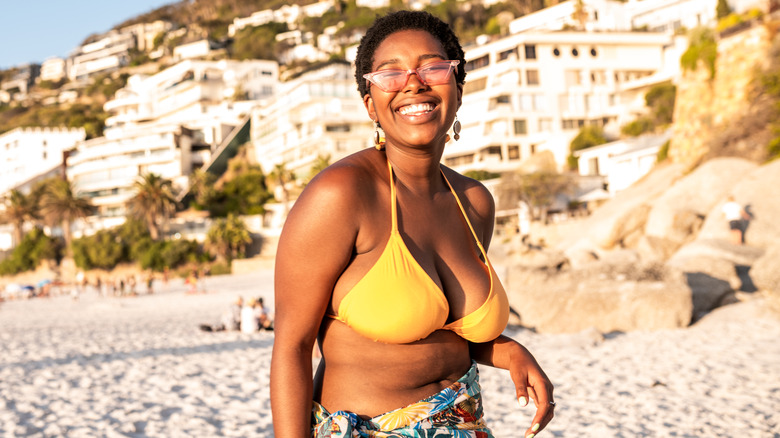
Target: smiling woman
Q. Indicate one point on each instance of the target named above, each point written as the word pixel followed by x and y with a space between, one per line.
pixel 383 263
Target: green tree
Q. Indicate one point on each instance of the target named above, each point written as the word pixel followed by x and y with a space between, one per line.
pixel 61 205
pixel 34 247
pixel 320 163
pixel 153 202
pixel 257 42
pixel 539 190
pixel 19 209
pixel 588 136
pixel 723 9
pixel 279 178
pixel 202 187
pixel 660 99
pixel 228 238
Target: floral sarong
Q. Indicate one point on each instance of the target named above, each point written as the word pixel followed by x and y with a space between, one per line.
pixel 455 411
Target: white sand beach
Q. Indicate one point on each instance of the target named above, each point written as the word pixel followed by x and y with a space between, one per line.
pixel 140 367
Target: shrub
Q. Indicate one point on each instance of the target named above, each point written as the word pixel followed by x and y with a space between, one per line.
pixel 103 250
pixel 637 127
pixel 35 247
pixel 663 153
pixel 702 47
pixel 481 175
pixel 588 136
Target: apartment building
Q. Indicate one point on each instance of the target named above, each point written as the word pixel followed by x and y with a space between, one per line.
pixel 53 69
pixel 169 123
pixel 533 91
pixel 109 53
pixel 26 153
pixel 18 86
pixel 145 33
pixel 319 113
pixel 289 14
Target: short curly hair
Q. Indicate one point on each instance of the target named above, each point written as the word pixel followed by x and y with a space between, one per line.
pixel 406 20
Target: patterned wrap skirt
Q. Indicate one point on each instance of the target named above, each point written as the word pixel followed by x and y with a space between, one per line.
pixel 455 411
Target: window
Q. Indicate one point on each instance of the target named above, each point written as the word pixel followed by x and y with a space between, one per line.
pixel 513 152
pixel 521 127
pixel 475 85
pixel 44 155
pixel 593 52
pixel 503 56
pixel 459 160
pixel 492 150
pixel 532 77
pixel 556 52
pixel 337 128
pixel 474 64
pixel 497 101
pixel 574 52
pixel 545 124
pixel 530 51
pixel 540 103
pixel 593 166
pixel 572 77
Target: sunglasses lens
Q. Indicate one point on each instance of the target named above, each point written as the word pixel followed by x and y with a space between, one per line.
pixel 391 80
pixel 436 74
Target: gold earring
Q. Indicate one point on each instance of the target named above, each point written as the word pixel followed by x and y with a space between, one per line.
pixel 456 128
pixel 379 140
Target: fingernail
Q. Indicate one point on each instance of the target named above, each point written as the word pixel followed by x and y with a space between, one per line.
pixel 536 427
pixel 531 435
pixel 523 401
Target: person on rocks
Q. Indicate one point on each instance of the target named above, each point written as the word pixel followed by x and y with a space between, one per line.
pixel 737 217
pixel 383 263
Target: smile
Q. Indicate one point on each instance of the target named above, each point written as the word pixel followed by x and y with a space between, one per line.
pixel 416 109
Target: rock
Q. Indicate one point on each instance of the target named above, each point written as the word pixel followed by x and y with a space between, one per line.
pixel 717 249
pixel 678 214
pixel 575 301
pixel 757 192
pixel 627 212
pixel 765 272
pixel 653 248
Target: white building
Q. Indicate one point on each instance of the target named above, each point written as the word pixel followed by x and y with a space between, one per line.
pixel 104 55
pixel 318 114
pixel 145 33
pixel 169 123
pixel 533 91
pixel 622 162
pixel 53 69
pixel 290 14
pixel 195 50
pixel 26 153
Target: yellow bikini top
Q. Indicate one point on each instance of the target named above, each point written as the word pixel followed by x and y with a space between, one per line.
pixel 396 302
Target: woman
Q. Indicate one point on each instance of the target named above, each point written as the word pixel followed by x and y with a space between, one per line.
pixel 382 261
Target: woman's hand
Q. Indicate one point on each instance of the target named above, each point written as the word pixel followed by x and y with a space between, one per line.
pixel 531 383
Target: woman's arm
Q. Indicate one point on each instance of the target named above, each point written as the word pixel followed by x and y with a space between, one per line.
pixel 316 244
pixel 528 377
pixel 504 352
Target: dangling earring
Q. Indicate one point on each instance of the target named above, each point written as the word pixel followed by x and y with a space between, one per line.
pixel 456 128
pixel 379 139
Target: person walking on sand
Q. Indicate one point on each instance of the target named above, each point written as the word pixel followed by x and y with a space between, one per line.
pixel 737 217
pixel 383 264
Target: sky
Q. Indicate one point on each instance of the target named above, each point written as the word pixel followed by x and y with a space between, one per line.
pixel 33 30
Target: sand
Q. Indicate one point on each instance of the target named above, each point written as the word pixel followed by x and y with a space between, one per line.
pixel 140 367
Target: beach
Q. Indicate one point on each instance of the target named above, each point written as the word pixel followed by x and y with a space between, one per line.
pixel 141 367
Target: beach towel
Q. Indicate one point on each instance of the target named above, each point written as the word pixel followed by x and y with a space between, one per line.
pixel 455 411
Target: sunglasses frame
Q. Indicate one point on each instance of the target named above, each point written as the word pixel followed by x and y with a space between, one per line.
pixel 369 77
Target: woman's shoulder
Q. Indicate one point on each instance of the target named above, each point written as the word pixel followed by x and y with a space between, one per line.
pixel 475 193
pixel 345 181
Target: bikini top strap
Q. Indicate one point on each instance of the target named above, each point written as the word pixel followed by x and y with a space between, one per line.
pixel 393 201
pixel 465 216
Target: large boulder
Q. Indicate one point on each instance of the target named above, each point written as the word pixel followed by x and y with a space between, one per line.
pixel 757 192
pixel 623 217
pixel 679 212
pixel 608 297
pixel 765 272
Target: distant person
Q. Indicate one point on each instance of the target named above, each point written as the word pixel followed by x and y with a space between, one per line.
pixel 261 314
pixel 248 318
pixel 737 218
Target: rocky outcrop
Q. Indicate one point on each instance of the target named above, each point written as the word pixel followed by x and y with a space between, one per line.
pixel 758 193
pixel 676 216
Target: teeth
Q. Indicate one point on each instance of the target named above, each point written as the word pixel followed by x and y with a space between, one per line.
pixel 416 109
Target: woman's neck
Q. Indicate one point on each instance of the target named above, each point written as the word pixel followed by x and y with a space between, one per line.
pixel 419 172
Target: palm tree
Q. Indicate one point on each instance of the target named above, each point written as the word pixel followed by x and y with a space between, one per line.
pixel 153 199
pixel 19 208
pixel 320 163
pixel 280 177
pixel 61 205
pixel 228 237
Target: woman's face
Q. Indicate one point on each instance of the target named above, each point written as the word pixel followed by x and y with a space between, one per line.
pixel 417 115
